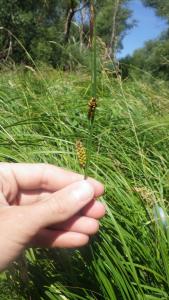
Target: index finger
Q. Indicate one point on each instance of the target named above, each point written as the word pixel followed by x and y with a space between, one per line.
pixel 48 177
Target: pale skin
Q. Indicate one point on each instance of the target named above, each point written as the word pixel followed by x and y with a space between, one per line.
pixel 45 206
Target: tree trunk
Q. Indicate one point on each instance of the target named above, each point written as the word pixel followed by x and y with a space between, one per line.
pixel 111 49
pixel 82 30
pixel 91 24
pixel 70 15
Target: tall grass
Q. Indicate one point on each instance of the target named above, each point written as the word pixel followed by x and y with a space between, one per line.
pixel 129 258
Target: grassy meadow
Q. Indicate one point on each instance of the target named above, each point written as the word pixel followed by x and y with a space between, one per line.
pixel 42 114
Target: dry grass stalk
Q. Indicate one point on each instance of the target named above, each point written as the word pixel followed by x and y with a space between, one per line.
pixel 146 194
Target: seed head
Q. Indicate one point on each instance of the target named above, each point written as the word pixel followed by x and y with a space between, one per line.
pixel 81 154
pixel 146 194
pixel 92 107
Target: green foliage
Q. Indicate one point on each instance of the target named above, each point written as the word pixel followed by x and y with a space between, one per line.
pixel 153 58
pixel 162 7
pixel 6 290
pixel 42 115
pixel 39 28
pixel 104 20
pixel 34 24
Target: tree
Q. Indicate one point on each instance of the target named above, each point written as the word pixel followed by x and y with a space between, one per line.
pixel 113 23
pixel 73 6
pixel 50 30
pixel 30 22
pixel 154 56
pixel 161 7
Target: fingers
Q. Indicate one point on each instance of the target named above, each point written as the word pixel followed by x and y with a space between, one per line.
pixel 47 177
pixel 79 224
pixel 63 204
pixel 94 209
pixel 70 234
pixel 59 239
pixel 33 196
pixel 3 201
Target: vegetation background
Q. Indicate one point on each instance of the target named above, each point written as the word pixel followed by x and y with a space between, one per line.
pixel 45 85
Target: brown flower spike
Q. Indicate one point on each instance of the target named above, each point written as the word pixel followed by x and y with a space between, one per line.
pixel 81 154
pixel 92 107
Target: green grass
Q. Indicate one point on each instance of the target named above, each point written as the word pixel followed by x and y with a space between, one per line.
pixel 41 117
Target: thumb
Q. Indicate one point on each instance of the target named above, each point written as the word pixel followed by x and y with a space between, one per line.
pixel 63 204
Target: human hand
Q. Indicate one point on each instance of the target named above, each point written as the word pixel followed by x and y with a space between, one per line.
pixel 45 206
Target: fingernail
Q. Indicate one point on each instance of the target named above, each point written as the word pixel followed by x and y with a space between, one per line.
pixel 83 191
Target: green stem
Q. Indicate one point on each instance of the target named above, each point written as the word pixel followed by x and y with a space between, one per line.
pixel 94 65
pixel 88 147
pixel 93 94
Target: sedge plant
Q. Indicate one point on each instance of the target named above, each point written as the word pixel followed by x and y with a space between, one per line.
pixel 82 153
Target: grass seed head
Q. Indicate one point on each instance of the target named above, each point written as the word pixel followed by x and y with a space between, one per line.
pixel 146 194
pixel 92 107
pixel 81 154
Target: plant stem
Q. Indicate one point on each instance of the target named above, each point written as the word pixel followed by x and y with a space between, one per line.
pixel 94 65
pixel 93 85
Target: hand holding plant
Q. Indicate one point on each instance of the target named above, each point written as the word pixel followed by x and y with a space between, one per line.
pixel 45 206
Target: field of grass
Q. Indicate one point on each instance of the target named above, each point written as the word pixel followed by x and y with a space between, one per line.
pixel 42 114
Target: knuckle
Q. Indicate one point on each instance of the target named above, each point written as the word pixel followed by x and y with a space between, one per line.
pixel 60 207
pixel 8 184
pixel 57 207
pixel 45 179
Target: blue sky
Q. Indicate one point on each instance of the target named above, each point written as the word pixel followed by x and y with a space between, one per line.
pixel 148 27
